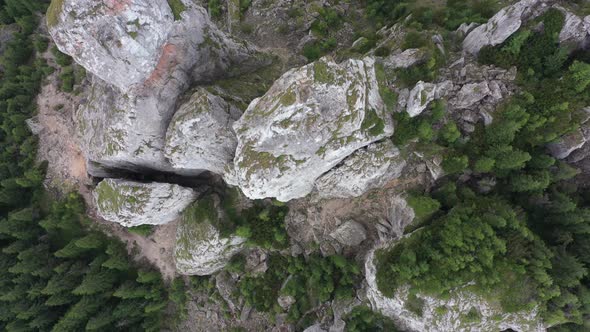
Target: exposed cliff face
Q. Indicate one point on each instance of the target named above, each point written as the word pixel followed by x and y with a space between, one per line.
pixel 143 58
pixel 200 136
pixel 446 314
pixel 132 203
pixel 309 121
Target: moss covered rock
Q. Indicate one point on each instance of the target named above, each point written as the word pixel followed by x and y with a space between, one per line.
pixel 309 121
pixel 200 249
pixel 131 203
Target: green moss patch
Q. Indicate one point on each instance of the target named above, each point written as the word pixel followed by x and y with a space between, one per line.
pixel 53 12
pixel 322 73
pixel 177 8
pixel 373 123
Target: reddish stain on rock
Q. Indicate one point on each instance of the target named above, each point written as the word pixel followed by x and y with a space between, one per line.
pixel 117 6
pixel 168 61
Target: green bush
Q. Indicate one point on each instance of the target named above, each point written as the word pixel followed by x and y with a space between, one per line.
pixel 214 7
pixel 455 164
pixel 142 230
pixel 363 319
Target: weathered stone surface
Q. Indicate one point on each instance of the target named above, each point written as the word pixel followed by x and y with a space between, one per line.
pixel 502 25
pixel 575 31
pixel 126 131
pixel 309 121
pixel 143 59
pixel 136 43
pixel 367 168
pixel 200 250
pixel 423 93
pixel 404 59
pixel 399 216
pixel 131 203
pixel 459 303
pixel 567 144
pixel 200 136
pixel 472 93
pixel 350 233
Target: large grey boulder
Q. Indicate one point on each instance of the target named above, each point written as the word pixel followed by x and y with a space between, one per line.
pixel 131 203
pixel 310 120
pixel 143 58
pixel 200 249
pixel 200 136
pixel 502 25
pixel 368 168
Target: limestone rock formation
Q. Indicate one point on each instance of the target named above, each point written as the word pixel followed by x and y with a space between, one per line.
pixel 143 57
pixel 350 233
pixel 366 169
pixel 459 303
pixel 131 203
pixel 423 93
pixel 200 248
pixel 200 136
pixel 575 31
pixel 138 43
pixel 502 25
pixel 310 120
pixel 124 131
pixel 404 59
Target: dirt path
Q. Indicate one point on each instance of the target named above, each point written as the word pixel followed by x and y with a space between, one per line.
pixel 59 144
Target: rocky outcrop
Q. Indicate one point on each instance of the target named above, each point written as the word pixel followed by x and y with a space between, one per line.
pixel 472 93
pixel 502 25
pixel 574 34
pixel 350 233
pixel 142 44
pixel 458 304
pixel 368 168
pixel 575 31
pixel 200 248
pixel 143 57
pixel 405 59
pixel 310 120
pixel 200 136
pixel 131 203
pixel 423 93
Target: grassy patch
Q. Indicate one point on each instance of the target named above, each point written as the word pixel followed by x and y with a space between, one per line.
pixel 415 304
pixel 373 123
pixel 177 8
pixel 53 12
pixel 142 230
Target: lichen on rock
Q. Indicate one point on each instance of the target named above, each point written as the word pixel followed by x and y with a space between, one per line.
pixel 309 121
pixel 131 203
pixel 143 57
pixel 200 249
pixel 367 168
pixel 200 136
